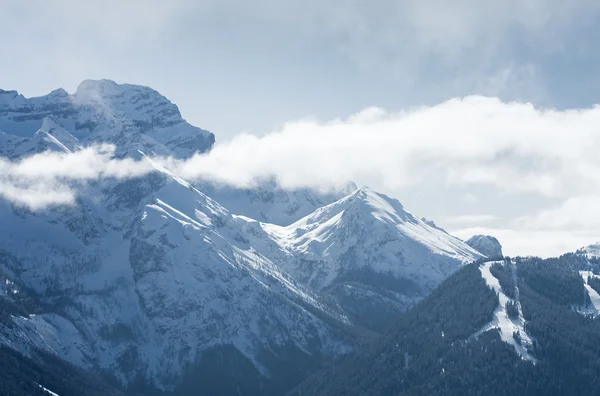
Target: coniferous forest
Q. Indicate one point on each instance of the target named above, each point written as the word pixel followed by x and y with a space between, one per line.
pixel 432 350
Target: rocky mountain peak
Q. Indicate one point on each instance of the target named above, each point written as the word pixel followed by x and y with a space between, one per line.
pixel 486 244
pixel 133 117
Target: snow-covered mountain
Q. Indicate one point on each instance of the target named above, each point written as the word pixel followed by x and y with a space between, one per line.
pixel 369 255
pixel 131 116
pixel 181 286
pixel 269 203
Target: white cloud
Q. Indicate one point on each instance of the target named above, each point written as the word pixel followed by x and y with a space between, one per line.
pixel 512 147
pixel 576 213
pixel 52 178
pixel 543 243
pixel 507 149
pixel 457 148
pixel 471 219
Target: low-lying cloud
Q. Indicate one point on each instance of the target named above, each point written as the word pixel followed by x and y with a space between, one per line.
pixel 453 149
pixel 473 141
pixel 52 178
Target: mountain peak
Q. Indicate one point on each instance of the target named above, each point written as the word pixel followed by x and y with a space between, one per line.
pixel 102 84
pixel 486 244
pixel 133 117
pixel 380 205
pixel 59 92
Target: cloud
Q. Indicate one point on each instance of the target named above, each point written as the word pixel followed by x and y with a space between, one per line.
pixel 51 178
pixel 543 243
pixel 500 149
pixel 471 219
pixel 512 147
pixel 576 213
pixel 403 34
pixel 507 154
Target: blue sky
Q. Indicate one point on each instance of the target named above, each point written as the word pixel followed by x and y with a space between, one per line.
pixel 259 67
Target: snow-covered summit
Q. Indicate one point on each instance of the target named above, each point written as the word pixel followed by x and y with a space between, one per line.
pixel 367 253
pixel 131 116
pixel 366 210
pixel 141 104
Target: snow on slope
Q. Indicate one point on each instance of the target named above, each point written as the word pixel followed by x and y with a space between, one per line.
pixel 269 203
pixel 50 136
pixel 48 391
pixel 365 253
pixel 173 278
pixel 132 117
pixel 145 274
pixel 502 322
pixel 370 229
pixel 593 294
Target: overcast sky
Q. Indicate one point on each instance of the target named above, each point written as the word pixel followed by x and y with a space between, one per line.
pixel 371 82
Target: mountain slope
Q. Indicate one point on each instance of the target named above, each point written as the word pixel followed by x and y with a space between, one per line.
pixel 452 342
pixel 269 203
pixel 145 294
pixel 36 371
pixel 160 286
pixel 369 255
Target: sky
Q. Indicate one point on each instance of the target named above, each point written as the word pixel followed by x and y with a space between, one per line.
pixel 478 115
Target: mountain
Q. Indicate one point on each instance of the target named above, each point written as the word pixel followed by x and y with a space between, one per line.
pixel 269 203
pixel 131 116
pixel 525 326
pixel 486 245
pixel 369 255
pixel 40 373
pixel 165 285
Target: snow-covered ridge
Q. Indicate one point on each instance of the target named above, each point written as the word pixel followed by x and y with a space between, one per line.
pixel 131 116
pixel 375 225
pixel 155 270
pixel 502 322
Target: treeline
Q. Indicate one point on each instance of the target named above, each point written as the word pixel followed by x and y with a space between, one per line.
pixel 22 376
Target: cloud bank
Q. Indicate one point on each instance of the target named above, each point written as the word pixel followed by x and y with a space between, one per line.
pixel 512 147
pixel 478 145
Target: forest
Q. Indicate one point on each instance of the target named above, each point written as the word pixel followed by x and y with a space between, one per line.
pixel 432 350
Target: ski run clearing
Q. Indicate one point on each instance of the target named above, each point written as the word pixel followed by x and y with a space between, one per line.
pixel 48 391
pixel 594 296
pixel 502 322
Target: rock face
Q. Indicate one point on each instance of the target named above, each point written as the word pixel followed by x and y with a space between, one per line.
pixel 187 288
pixel 486 245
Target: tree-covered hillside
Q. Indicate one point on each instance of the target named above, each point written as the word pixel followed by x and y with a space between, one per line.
pixel 435 350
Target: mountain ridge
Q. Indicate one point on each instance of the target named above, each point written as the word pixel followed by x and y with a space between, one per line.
pixel 151 279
